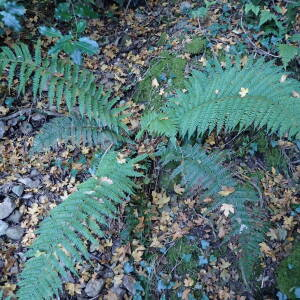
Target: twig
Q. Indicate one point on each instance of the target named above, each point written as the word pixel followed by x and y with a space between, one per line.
pixel 29 110
pixel 261 51
pixel 246 179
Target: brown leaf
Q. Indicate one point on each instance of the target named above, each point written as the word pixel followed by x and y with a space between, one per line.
pixel 226 190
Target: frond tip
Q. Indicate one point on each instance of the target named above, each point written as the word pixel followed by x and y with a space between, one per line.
pixel 61 237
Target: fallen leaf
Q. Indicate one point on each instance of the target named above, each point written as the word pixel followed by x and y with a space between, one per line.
pixel 188 282
pixel 226 190
pixel 243 92
pixel 155 83
pixel 227 208
pixel 178 189
pixel 295 94
pixel 160 199
pixel 283 78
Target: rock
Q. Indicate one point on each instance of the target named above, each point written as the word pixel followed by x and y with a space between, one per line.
pixel 116 289
pixel 108 274
pixel 94 287
pixel 6 208
pixel 14 217
pixel 15 232
pixel 2 129
pixel 129 284
pixel 26 128
pixel 29 182
pixel 27 196
pixel 18 190
pixel 185 6
pixel 34 172
pixel 3 227
pixel 37 117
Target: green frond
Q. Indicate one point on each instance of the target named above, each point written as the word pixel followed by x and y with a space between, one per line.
pixel 63 82
pixel 77 130
pixel 234 97
pixel 158 124
pixel 61 237
pixel 203 175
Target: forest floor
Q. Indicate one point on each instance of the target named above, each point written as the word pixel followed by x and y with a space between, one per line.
pixel 159 247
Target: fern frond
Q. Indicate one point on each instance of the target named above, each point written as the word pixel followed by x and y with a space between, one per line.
pixel 77 130
pixel 215 100
pixel 61 237
pixel 63 81
pixel 203 175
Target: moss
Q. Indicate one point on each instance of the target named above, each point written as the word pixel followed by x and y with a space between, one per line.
pixel 272 155
pixel 196 46
pixel 176 256
pixel 288 273
pixel 169 72
pixel 163 39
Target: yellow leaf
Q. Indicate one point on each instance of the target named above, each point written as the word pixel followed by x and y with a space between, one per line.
pixel 226 209
pixel 265 249
pixel 188 282
pixel 138 253
pixel 283 78
pixel 155 83
pixel 160 199
pixel 243 92
pixel 226 190
pixel 178 189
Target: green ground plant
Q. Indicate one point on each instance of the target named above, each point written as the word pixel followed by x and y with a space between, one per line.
pixel 167 69
pixel 288 274
pixel 225 99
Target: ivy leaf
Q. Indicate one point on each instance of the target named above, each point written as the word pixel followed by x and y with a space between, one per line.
pixel 76 57
pixel 80 26
pixel 287 53
pixel 14 9
pixel 63 12
pixel 251 7
pixel 266 16
pixel 65 44
pixel 87 45
pixel 297 292
pixel 50 31
pixel 10 21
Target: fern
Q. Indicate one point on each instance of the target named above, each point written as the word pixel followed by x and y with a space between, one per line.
pixel 214 101
pixel 203 175
pixel 60 243
pixel 77 130
pixel 62 80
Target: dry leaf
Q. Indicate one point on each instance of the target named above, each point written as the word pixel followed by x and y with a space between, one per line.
pixel 188 282
pixel 160 199
pixel 138 253
pixel 178 189
pixel 243 92
pixel 265 249
pixel 227 208
pixel 226 190
pixel 283 78
pixel 295 94
pixel 155 83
